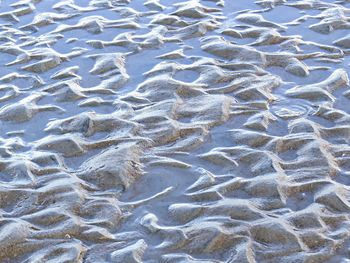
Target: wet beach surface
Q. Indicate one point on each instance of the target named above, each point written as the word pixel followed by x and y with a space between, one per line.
pixel 168 131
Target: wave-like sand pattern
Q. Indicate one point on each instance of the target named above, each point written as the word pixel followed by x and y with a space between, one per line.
pixel 165 131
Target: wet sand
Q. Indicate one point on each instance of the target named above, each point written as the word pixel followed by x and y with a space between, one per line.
pixel 167 131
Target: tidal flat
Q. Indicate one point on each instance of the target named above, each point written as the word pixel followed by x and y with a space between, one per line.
pixel 164 131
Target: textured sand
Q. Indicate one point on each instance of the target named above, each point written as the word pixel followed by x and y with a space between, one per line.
pixel 168 131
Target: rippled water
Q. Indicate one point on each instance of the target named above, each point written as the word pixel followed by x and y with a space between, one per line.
pixel 168 131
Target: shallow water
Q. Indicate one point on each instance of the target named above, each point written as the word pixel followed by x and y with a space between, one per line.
pixel 168 131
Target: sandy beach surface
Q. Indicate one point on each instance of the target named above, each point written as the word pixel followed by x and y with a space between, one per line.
pixel 208 131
